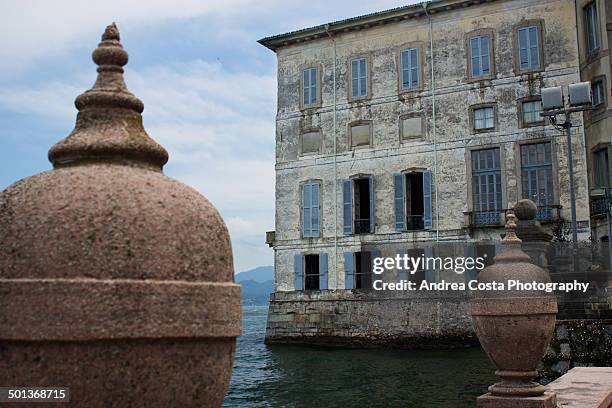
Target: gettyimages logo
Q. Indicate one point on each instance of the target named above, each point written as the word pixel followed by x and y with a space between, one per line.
pixel 414 264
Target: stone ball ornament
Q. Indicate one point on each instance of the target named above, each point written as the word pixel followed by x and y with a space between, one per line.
pixel 525 209
pixel 514 326
pixel 116 281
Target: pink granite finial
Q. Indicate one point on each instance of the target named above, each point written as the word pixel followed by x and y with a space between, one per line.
pixel 109 123
pixel 511 230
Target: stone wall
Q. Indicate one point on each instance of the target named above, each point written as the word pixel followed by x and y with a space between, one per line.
pixel 577 343
pixel 369 319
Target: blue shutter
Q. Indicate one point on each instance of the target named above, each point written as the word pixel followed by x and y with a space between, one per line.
pixel 315 223
pixel 523 48
pixel 475 55
pixel 349 270
pixel 534 48
pixel 363 76
pixel 313 85
pixel 299 272
pixel 402 274
pixel 414 66
pixel 323 275
pixel 400 208
pixel 427 221
pixel 430 273
pixel 307 210
pixel 372 204
pixel 347 206
pixel 484 52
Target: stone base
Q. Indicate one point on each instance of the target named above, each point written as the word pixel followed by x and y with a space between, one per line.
pixel 548 400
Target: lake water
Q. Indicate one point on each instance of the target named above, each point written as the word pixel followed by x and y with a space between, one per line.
pixel 295 376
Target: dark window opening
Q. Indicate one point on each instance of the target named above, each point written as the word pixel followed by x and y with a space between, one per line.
pixel 363 218
pixel 311 272
pixel 363 270
pixel 415 207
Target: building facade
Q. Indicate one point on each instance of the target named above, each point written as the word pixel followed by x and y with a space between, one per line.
pixel 414 126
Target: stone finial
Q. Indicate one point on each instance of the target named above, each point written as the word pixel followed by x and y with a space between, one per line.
pixel 511 230
pixel 525 210
pixel 109 123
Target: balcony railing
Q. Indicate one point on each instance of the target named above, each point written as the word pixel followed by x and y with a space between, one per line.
pixel 496 218
pixel 363 226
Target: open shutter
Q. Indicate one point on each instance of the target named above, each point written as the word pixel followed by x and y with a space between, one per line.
pixel 427 222
pixel 430 273
pixel 347 205
pixel 349 270
pixel 298 266
pixel 372 205
pixel 400 208
pixel 323 271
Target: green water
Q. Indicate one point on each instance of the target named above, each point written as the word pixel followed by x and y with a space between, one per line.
pixel 294 376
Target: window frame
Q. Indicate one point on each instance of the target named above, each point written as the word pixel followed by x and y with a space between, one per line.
pixel 473 173
pixel 360 122
pixel 521 112
pixel 301 209
pixel 539 24
pixel 317 103
pixel 604 101
pixel 601 147
pixel 526 167
pixel 349 78
pixel 420 55
pixel 468 53
pixel 401 128
pixel 304 131
pixel 469 177
pixel 472 117
pixel 588 25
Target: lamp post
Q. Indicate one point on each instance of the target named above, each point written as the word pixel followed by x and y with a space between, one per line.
pixel 553 104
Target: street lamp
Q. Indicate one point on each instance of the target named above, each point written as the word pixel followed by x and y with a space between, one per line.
pixel 553 104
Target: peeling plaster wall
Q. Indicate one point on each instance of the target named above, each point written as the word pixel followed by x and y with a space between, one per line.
pixel 388 154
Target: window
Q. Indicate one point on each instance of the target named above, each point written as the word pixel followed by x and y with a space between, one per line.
pixel 537 177
pixel 311 272
pixel 484 118
pixel 310 210
pixel 309 83
pixel 591 27
pixel 486 186
pixel 361 133
pixel 601 168
pixel 311 142
pixel 359 78
pixel 528 47
pixel 411 127
pixel 479 56
pixel 409 67
pixel 597 89
pixel 530 111
pixel 358 205
pixel 412 201
pixel 358 269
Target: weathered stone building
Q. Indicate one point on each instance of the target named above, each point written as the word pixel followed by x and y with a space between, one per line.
pixel 409 127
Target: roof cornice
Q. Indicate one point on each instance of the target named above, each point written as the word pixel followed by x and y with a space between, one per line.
pixel 366 21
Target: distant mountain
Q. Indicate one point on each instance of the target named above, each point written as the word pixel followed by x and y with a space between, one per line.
pixel 256 293
pixel 257 284
pixel 260 274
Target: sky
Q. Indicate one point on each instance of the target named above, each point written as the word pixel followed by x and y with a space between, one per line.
pixel 208 87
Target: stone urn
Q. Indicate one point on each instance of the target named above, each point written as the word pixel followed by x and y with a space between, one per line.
pixel 116 281
pixel 514 326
